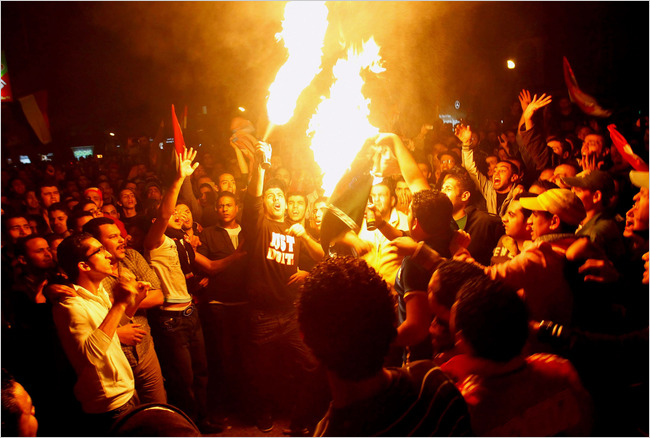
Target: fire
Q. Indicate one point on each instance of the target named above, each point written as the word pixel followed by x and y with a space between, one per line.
pixel 340 126
pixel 303 33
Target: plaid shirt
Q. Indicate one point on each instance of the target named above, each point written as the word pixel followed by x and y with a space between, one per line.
pixel 135 263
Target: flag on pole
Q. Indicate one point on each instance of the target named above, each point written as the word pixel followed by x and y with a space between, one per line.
pixel 35 109
pixel 179 143
pixel 585 102
pixel 185 118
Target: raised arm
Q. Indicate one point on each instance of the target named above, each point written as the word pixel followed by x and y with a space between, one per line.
pixel 185 168
pixel 409 168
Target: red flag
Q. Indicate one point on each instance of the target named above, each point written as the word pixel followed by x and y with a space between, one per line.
pixel 179 143
pixel 585 102
pixel 625 150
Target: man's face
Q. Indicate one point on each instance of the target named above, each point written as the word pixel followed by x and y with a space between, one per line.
pixel 563 170
pixel 92 209
pixel 127 199
pixel 203 200
pixel 514 222
pixel 274 203
pixel 451 188
pixel 31 200
pixel 556 146
pixel 640 210
pixel 447 162
pixel 106 189
pixel 502 177
pixel 49 195
pixel 381 198
pixel 95 197
pixel 27 423
pixel 586 196
pixel 491 162
pixel 175 220
pixel 18 227
pixel 594 144
pixel 98 258
pixel 110 210
pixel 84 182
pixel 226 210
pixel 38 254
pixel 58 221
pixel 18 186
pixel 153 192
pixel 185 215
pixel 111 238
pixel 317 215
pixel 284 175
pixel 296 208
pixel 227 183
pixel 539 224
pixel 402 191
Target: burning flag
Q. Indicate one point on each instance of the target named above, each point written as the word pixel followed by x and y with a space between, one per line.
pixel 179 143
pixel 585 102
pixel 339 129
pixel 303 33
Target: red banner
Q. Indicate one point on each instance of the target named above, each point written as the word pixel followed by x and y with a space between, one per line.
pixel 4 82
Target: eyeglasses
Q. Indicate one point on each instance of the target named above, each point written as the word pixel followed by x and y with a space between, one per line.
pixel 97 251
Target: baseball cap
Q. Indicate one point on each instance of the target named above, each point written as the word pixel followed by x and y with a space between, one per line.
pixel 639 179
pixel 562 202
pixel 594 180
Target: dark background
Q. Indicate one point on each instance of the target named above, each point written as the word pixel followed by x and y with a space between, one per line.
pixel 118 67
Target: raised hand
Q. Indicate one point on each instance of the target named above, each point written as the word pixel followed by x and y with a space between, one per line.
pixel 184 163
pixel 464 133
pixel 524 99
pixel 535 104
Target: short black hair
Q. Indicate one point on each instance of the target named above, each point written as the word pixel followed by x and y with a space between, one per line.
pixel 347 317
pixel 72 251
pixel 225 194
pixel 493 319
pixel 297 193
pixel 433 210
pixel 72 218
pixel 461 175
pixel 452 274
pixel 59 206
pixel 92 226
pixel 275 183
pixel 20 249
pixel 545 184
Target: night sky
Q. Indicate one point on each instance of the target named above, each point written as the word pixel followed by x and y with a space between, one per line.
pixel 119 66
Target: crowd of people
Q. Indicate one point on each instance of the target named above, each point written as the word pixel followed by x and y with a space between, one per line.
pixel 496 284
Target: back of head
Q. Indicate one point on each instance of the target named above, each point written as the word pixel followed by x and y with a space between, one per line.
pixel 433 210
pixel 492 318
pixel 347 317
pixel 11 411
pixel 451 275
pixel 155 419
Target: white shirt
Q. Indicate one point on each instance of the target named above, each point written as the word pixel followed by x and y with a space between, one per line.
pixel 104 377
pixel 386 264
pixel 165 262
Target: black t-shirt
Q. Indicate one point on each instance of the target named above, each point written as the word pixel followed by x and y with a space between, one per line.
pixel 500 198
pixel 273 258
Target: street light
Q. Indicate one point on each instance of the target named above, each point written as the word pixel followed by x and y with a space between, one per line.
pixel 511 64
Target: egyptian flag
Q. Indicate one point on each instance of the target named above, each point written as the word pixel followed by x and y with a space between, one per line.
pixel 625 150
pixel 179 143
pixel 585 102
pixel 348 201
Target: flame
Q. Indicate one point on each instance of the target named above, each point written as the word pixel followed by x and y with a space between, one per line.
pixel 340 126
pixel 303 33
